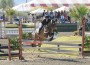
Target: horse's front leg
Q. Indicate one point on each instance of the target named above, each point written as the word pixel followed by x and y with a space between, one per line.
pixel 35 39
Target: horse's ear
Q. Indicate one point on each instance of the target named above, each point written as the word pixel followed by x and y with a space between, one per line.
pixel 55 20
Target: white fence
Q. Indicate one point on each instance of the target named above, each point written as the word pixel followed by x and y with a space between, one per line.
pixel 58 47
pixel 12 31
pixel 2 35
pixel 15 31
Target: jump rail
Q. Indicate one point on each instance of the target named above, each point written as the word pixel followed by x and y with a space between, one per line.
pixel 57 49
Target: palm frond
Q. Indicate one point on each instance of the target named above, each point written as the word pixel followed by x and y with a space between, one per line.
pixel 78 12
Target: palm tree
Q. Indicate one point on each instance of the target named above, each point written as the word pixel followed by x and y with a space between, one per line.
pixel 78 12
pixel 10 3
pixel 2 4
pixel 6 4
pixel 10 12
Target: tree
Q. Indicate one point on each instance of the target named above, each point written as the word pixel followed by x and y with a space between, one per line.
pixel 10 12
pixel 10 3
pixel 3 4
pixel 6 4
pixel 78 12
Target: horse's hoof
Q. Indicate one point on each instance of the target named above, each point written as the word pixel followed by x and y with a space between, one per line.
pixel 38 56
pixel 33 45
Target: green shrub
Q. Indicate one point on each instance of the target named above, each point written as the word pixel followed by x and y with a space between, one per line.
pixel 11 26
pixel 87 42
pixel 70 27
pixel 15 43
pixel 28 26
pixel 26 35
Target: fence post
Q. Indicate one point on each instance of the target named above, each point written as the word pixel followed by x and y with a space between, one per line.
pixel 0 46
pixel 20 40
pixel 58 47
pixel 80 49
pixel 9 49
pixel 83 35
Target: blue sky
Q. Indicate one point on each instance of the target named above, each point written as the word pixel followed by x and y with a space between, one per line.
pixel 17 2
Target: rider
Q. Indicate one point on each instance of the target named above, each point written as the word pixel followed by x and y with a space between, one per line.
pixel 51 14
pixel 45 22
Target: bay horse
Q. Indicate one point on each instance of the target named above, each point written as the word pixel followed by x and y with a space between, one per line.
pixel 46 31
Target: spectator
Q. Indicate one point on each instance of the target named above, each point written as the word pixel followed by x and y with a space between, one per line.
pixel 69 19
pixel 28 20
pixel 58 16
pixel 62 18
pixel 47 14
pixel 65 16
pixel 44 12
pixel 51 15
pixel 33 17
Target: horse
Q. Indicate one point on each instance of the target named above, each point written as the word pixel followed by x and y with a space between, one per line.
pixel 46 31
pixel 52 29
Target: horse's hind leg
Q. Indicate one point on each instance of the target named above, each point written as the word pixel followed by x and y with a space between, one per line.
pixel 40 43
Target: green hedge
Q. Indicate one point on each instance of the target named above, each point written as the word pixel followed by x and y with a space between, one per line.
pixel 70 27
pixel 11 26
pixel 16 26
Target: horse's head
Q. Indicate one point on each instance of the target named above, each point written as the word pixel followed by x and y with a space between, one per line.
pixel 52 25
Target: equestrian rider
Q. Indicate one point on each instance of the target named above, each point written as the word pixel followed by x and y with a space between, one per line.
pixel 45 22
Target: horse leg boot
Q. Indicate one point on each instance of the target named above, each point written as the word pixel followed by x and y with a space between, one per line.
pixel 52 34
pixel 39 44
pixel 51 38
